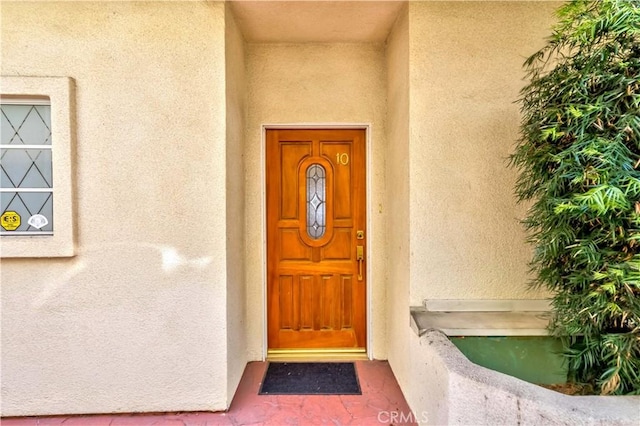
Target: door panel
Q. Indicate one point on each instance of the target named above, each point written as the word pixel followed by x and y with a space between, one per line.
pixel 316 286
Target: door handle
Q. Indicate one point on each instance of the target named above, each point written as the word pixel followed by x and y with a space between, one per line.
pixel 360 259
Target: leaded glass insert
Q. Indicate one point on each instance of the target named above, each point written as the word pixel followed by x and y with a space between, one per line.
pixel 26 168
pixel 27 204
pixel 25 124
pixel 316 201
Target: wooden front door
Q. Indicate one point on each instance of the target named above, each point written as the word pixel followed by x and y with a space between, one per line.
pixel 316 239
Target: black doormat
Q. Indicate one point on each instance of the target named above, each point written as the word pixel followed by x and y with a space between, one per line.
pixel 310 378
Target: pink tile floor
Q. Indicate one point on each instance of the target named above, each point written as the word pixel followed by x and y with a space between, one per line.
pixel 381 403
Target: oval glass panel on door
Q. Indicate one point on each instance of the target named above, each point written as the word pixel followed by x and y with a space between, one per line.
pixel 316 217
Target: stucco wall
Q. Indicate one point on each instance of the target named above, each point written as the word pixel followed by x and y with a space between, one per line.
pixel 466 72
pixel 454 72
pixel 234 170
pixel 151 314
pixel 463 393
pixel 137 320
pixel 314 83
pixel 397 196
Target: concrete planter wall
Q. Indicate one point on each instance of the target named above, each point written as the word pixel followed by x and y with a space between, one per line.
pixel 455 391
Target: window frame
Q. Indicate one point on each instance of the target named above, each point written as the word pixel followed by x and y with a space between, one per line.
pixel 28 102
pixel 60 92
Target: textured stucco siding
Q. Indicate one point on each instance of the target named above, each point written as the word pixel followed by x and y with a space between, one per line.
pixel 164 302
pixel 315 83
pixel 463 393
pixel 465 74
pixel 137 320
pixel 397 195
pixel 236 99
pixel 454 230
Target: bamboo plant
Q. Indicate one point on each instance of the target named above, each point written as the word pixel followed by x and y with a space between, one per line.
pixel 579 168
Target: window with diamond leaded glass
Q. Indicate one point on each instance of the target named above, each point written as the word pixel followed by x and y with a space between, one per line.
pixel 26 170
pixel 316 201
pixel 37 142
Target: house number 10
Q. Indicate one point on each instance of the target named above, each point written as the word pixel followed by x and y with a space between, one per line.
pixel 342 158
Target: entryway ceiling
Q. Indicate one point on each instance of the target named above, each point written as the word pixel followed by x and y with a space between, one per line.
pixel 315 21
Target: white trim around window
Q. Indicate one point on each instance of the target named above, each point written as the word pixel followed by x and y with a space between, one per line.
pixel 59 92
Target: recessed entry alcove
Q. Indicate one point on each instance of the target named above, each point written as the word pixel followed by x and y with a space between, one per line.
pixel 316 65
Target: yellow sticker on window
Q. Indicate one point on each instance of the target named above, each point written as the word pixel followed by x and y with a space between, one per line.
pixel 10 220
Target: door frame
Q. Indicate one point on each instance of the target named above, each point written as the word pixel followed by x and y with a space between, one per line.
pixel 263 207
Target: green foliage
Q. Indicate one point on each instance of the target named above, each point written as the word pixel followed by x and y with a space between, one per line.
pixel 579 160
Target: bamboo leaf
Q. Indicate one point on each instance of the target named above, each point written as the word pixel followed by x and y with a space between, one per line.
pixel 579 165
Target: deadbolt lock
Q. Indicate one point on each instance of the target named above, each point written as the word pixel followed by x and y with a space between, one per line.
pixel 360 235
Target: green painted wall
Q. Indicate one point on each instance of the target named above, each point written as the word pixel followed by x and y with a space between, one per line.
pixel 534 359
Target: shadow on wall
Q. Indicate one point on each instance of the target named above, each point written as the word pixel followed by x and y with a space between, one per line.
pixel 129 326
pixel 143 260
